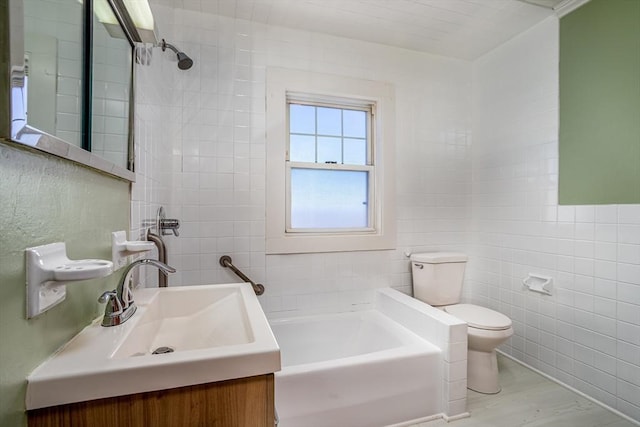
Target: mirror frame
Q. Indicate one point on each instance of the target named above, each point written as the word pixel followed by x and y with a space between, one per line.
pixel 35 138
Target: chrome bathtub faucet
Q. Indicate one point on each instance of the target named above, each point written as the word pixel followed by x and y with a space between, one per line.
pixel 120 305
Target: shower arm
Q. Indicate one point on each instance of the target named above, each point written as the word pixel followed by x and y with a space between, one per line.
pixel 164 45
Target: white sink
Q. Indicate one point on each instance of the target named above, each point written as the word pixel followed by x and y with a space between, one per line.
pixel 207 317
pixel 213 333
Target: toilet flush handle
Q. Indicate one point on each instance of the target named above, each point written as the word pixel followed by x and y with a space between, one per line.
pixel 420 266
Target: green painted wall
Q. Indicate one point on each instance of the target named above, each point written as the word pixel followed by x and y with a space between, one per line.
pixel 4 67
pixel 43 200
pixel 600 104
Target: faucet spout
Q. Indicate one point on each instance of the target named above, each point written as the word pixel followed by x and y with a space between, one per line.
pixel 123 291
pixel 120 304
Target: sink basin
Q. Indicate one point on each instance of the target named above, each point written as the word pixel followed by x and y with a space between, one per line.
pixel 179 321
pixel 178 337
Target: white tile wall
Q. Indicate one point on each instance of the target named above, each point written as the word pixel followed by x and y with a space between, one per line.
pixel 586 333
pixel 200 152
pixel 156 122
pixel 217 145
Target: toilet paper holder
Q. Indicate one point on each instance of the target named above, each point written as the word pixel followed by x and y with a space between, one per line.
pixel 538 283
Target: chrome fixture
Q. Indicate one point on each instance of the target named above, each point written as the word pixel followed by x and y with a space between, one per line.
pixel 184 62
pixel 162 256
pixel 225 261
pixel 120 305
pixel 170 224
pixel 163 223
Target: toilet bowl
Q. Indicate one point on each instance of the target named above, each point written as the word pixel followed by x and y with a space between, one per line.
pixel 437 281
pixel 486 330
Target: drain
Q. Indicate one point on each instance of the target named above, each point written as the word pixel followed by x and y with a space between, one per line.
pixel 162 350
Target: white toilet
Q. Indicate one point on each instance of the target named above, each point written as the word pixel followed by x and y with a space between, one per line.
pixel 437 280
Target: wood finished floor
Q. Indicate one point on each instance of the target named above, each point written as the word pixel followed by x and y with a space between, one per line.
pixel 531 400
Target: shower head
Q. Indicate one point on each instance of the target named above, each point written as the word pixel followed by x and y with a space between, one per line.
pixel 184 62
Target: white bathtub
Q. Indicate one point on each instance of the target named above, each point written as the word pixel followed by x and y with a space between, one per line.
pixel 364 368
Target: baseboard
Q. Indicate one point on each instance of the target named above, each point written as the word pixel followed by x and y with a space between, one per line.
pixel 455 417
pixel 568 387
pixel 417 421
pixel 439 416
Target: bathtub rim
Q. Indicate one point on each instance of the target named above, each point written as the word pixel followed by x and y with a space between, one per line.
pixel 405 337
pixel 411 345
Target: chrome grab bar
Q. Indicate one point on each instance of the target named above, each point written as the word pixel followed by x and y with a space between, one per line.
pixel 225 261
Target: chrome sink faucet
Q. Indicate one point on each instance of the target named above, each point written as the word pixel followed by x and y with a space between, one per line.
pixel 120 305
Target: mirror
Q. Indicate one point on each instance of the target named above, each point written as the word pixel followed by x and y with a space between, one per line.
pixel 111 83
pixel 51 84
pixel 53 57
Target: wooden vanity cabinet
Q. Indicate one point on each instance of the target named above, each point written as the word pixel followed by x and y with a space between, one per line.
pixel 244 402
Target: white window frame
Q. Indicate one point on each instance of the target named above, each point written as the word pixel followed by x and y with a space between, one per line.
pixel 316 88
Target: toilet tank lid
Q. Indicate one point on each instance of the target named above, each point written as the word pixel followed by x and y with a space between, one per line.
pixel 479 317
pixel 439 257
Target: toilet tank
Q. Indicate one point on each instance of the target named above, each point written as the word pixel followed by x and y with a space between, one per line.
pixel 438 276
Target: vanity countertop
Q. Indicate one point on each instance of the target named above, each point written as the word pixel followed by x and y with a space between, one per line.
pixel 217 333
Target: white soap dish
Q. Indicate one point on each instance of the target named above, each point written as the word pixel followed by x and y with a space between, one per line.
pixel 82 270
pixel 121 248
pixel 49 270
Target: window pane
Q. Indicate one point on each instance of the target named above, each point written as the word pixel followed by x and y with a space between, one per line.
pixel 302 119
pixel 302 148
pixel 355 123
pixel 355 151
pixel 329 150
pixel 329 121
pixel 329 198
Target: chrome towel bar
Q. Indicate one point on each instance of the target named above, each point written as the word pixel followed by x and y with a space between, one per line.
pixel 225 261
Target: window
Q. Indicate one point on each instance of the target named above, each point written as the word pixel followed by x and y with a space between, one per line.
pixel 329 147
pixel 330 170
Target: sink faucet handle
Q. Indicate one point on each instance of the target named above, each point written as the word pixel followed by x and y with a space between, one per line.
pixel 106 296
pixel 114 307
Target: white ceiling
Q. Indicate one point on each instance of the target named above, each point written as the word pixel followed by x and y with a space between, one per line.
pixel 463 29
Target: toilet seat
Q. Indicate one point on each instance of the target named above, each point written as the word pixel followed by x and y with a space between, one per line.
pixel 479 317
